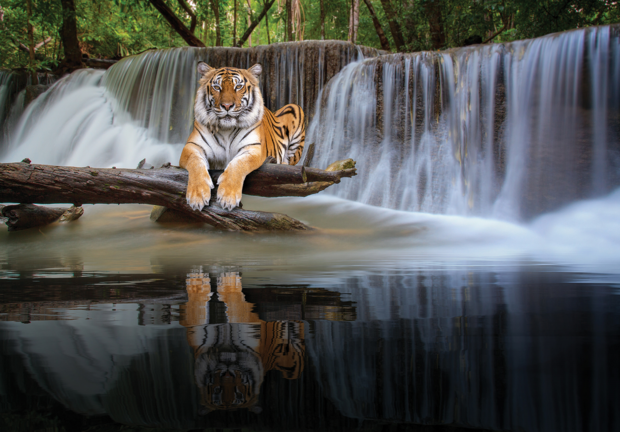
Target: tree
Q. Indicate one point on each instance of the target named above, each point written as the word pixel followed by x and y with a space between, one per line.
pixel 354 20
pixel 322 20
pixel 115 29
pixel 35 80
pixel 215 7
pixel 385 44
pixel 175 23
pixel 436 24
pixel 255 23
pixel 289 20
pixel 188 10
pixel 397 34
pixel 68 34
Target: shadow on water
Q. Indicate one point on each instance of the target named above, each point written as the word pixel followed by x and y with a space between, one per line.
pixel 214 347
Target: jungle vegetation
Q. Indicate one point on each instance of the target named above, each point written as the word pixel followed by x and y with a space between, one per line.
pixel 46 35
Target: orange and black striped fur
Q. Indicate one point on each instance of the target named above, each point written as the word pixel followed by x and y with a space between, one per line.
pixel 231 358
pixel 234 131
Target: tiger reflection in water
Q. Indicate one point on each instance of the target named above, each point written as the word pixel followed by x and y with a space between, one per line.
pixel 231 359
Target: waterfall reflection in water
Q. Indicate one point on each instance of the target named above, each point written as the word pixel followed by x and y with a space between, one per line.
pixel 504 350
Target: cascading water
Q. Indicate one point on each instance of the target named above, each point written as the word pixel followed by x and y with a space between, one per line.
pixel 143 106
pixel 501 131
pixel 12 99
pixel 505 130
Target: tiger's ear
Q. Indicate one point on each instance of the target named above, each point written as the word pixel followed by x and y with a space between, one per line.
pixel 203 68
pixel 256 70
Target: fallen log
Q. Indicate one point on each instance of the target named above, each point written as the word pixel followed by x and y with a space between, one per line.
pixel 24 216
pixel 166 186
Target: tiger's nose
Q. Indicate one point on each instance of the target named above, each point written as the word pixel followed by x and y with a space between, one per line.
pixel 227 106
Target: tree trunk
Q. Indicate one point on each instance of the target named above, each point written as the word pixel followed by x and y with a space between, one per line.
pixel 322 18
pixel 397 34
pixel 385 43
pixel 289 20
pixel 190 12
pixel 249 23
pixel 215 6
pixel 435 21
pixel 166 186
pixel 31 48
pixel 354 20
pixel 235 24
pixel 174 21
pixel 267 28
pixel 253 25
pixel 68 34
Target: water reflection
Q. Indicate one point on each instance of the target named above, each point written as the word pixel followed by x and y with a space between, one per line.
pixel 212 347
pixel 231 358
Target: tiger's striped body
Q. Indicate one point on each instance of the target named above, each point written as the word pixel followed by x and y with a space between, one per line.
pixel 232 358
pixel 233 131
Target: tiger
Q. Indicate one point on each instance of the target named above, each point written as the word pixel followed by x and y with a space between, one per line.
pixel 235 132
pixel 232 358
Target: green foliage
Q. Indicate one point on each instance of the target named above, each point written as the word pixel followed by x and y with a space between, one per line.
pixel 117 28
pixel 499 20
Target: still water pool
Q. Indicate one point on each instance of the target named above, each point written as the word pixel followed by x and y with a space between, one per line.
pixel 382 320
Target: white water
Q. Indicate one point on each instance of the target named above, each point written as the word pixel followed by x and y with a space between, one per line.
pixel 449 163
pixel 506 131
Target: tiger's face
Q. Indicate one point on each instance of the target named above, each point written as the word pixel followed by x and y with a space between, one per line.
pixel 228 98
pixel 228 375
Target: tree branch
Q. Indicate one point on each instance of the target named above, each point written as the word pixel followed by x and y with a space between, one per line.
pixel 37 46
pixel 176 23
pixel 250 29
pixel 496 33
pixel 385 44
pixel 190 12
pixel 397 34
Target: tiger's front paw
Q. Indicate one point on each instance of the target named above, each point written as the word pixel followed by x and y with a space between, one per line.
pixel 229 190
pixel 199 192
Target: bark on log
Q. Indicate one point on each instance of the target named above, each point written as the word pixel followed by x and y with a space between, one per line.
pixel 166 186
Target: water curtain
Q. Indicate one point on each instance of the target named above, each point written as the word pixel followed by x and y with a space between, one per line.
pixel 143 106
pixel 503 130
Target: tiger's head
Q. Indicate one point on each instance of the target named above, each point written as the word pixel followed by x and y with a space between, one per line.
pixel 228 97
pixel 229 378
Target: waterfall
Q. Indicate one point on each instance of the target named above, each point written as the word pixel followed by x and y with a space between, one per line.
pixel 142 107
pixel 504 130
pixel 508 131
pixel 13 98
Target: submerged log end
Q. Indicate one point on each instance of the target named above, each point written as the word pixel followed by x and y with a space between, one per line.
pixel 24 216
